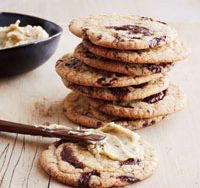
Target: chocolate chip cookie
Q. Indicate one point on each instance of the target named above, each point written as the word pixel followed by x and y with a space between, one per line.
pixel 123 93
pixel 73 70
pixel 166 102
pixel 78 109
pixel 132 69
pixel 73 165
pixel 172 52
pixel 123 32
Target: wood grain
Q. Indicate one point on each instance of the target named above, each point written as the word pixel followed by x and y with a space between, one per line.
pixel 176 139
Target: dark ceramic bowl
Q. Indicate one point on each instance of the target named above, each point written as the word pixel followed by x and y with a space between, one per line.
pixel 29 56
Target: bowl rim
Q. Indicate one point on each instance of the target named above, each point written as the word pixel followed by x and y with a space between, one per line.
pixel 33 42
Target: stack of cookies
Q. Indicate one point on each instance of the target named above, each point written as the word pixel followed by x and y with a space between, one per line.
pixel 119 73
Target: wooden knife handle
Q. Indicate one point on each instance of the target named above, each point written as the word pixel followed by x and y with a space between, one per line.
pixel 67 134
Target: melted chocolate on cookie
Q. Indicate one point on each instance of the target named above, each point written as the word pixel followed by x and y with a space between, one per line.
pixel 150 19
pixel 155 98
pixel 122 92
pixel 56 144
pixel 106 81
pixel 85 179
pixel 156 41
pixel 99 37
pixel 68 156
pixel 158 68
pixel 146 18
pixel 74 63
pixel 146 123
pixel 140 85
pixel 132 29
pixel 130 161
pixel 118 39
pixel 128 179
pixel 89 55
pixel 162 22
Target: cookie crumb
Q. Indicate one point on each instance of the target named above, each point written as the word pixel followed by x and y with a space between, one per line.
pixel 43 109
pixel 47 112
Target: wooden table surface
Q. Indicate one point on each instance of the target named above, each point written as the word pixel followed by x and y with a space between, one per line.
pixel 36 97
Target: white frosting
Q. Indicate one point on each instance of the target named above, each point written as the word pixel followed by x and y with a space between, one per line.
pixel 120 143
pixel 52 126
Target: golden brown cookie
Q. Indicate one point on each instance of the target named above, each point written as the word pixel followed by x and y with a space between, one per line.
pixel 73 165
pixel 123 32
pixel 133 69
pixel 172 52
pixel 73 70
pixel 167 102
pixel 122 93
pixel 78 109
